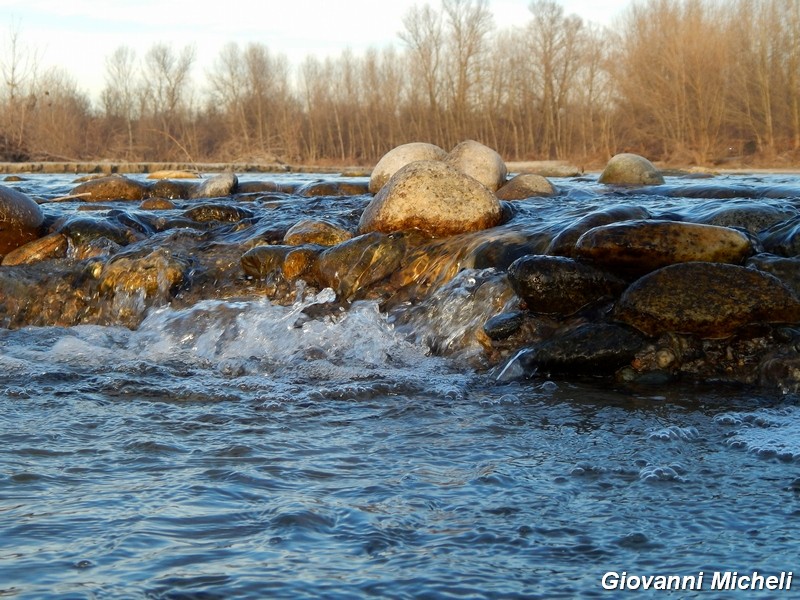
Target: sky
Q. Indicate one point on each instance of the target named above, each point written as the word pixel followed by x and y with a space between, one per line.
pixel 78 35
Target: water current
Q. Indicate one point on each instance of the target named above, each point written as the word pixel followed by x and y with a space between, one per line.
pixel 231 449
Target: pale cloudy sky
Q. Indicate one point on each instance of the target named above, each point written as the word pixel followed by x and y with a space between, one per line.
pixel 79 34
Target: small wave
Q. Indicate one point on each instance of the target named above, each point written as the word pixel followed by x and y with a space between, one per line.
pixel 768 433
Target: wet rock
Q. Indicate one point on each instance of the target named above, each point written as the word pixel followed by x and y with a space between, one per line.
pixel 525 185
pixel 360 262
pixel 223 184
pixel 504 325
pixel 630 169
pixel 173 174
pixel 157 204
pixel 785 269
pixel 563 244
pixel 264 261
pixel 21 219
pixel 499 253
pixel 172 190
pixel 83 229
pixel 300 261
pixel 332 188
pixel 399 157
pixel 47 247
pixel 710 300
pixel 479 162
pixel 224 213
pixel 642 246
pixel 113 187
pixel 591 349
pixel 433 197
pixel 559 285
pixel 157 274
pixel 752 216
pixel 315 231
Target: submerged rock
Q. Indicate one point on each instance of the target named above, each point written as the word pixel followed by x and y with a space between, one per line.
pixel 50 246
pixel 785 269
pixel 596 349
pixel 783 238
pixel 332 188
pixel 21 219
pixel 479 162
pixel 172 190
pixel 399 157
pixel 643 246
pixel 710 300
pixel 113 187
pixel 630 169
pixel 559 285
pixel 316 231
pixel 263 261
pixel 525 185
pixel 432 197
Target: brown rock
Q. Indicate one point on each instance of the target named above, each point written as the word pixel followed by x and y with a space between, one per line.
pixel 312 231
pixel 479 162
pixel 50 246
pixel 21 219
pixel 710 300
pixel 564 243
pixel 630 169
pixel 526 185
pixel 114 187
pixel 399 157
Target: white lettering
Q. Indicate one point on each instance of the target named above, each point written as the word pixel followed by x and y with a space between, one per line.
pixel 610 581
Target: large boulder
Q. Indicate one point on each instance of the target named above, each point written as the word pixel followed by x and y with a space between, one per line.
pixel 21 219
pixel 630 169
pixel 399 157
pixel 559 285
pixel 642 246
pixel 479 162
pixel 710 300
pixel 433 197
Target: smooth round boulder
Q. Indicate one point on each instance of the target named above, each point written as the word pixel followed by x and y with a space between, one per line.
pixel 639 247
pixel 21 219
pixel 222 184
pixel 559 285
pixel 630 169
pixel 399 157
pixel 479 162
pixel 709 300
pixel 526 185
pixel 113 187
pixel 432 197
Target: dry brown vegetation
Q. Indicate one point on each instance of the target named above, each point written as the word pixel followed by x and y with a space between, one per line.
pixel 688 82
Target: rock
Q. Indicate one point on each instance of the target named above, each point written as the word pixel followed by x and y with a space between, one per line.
pixel 157 204
pixel 21 219
pixel 504 325
pixel 47 247
pixel 630 169
pixel 642 246
pixel 223 184
pixel 595 349
pixel 559 285
pixel 84 229
pixel 311 231
pixel 710 300
pixel 433 197
pixel 564 243
pixel 172 190
pixel 223 213
pixel 300 261
pixel 113 187
pixel 525 185
pixel 479 162
pixel 173 174
pixel 546 168
pixel 157 274
pixel 752 216
pixel 263 261
pixel 360 262
pixel 399 157
pixel 332 188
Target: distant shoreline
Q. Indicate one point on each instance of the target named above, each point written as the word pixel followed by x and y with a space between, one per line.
pixel 546 168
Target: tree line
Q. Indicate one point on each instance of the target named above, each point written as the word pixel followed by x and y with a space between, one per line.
pixel 683 81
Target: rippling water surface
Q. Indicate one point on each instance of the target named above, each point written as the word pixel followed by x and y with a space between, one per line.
pixel 237 449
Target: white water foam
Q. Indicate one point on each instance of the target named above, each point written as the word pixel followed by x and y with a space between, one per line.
pixel 767 432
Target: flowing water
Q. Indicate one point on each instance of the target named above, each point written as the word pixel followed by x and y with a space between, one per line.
pixel 234 449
